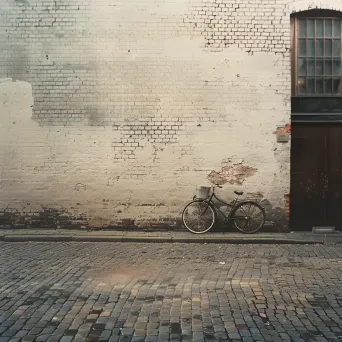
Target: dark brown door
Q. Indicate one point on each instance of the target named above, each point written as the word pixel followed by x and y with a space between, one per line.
pixel 334 166
pixel 316 183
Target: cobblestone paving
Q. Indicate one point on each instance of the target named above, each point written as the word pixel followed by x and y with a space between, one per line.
pixel 160 292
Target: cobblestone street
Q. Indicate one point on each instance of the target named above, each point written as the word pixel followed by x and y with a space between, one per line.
pixel 160 292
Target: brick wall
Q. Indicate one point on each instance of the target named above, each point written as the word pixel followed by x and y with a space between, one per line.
pixel 112 112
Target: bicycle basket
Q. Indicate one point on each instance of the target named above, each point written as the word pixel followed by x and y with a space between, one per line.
pixel 203 192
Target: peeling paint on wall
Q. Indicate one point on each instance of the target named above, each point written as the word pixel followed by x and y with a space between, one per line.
pixel 229 23
pixel 235 174
pixel 281 129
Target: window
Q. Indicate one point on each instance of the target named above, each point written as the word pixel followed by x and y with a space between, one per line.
pixel 317 56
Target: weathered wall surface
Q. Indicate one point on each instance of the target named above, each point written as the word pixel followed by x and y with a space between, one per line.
pixel 113 111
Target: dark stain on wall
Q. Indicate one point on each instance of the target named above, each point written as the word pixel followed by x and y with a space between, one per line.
pixel 21 3
pixel 47 218
pixel 50 218
pixel 275 215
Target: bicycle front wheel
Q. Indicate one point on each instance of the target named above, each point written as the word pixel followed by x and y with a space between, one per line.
pixel 198 217
pixel 248 217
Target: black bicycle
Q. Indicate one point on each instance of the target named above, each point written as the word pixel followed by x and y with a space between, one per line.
pixel 200 215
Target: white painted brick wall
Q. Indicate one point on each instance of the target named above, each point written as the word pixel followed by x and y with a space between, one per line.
pixel 121 108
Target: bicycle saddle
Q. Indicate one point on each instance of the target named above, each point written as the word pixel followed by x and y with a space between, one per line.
pixel 239 193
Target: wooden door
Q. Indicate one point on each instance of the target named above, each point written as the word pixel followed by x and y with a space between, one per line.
pixel 316 183
pixel 334 179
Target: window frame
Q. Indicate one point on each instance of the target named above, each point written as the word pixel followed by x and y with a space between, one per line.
pixel 307 15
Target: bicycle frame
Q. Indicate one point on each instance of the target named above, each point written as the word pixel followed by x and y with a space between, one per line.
pixel 231 206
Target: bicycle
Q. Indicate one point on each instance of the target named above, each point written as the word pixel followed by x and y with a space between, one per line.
pixel 200 215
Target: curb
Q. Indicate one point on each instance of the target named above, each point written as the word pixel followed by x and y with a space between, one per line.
pixel 81 238
pixel 47 238
pixel 213 240
pixel 246 241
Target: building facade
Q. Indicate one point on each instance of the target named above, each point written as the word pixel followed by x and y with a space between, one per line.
pixel 113 112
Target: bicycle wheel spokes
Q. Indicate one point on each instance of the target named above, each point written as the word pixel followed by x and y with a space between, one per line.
pixel 198 217
pixel 249 217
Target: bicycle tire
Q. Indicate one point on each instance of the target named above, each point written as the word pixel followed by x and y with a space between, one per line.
pixel 244 224
pixel 195 208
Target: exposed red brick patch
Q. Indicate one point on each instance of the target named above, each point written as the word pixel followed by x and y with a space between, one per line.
pixel 234 174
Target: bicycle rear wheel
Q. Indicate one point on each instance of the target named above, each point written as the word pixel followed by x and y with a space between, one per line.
pixel 248 217
pixel 198 216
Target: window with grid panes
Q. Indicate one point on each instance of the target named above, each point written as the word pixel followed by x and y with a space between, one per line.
pixel 317 57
